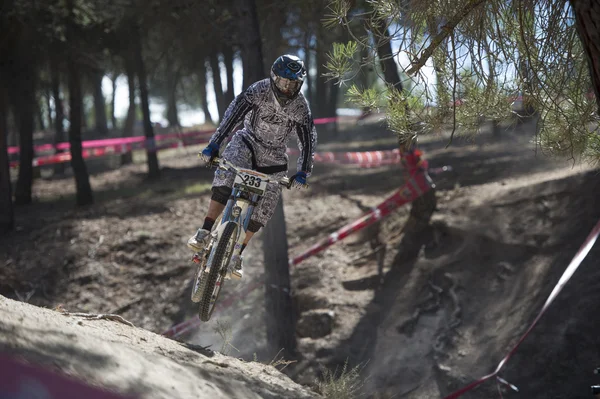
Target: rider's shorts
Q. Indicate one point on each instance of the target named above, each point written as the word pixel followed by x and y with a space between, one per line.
pixel 240 154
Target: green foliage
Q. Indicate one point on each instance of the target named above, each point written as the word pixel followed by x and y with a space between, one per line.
pixel 341 60
pixel 385 9
pixel 562 132
pixel 367 98
pixel 403 114
pixel 346 385
pixel 338 10
pixel 468 60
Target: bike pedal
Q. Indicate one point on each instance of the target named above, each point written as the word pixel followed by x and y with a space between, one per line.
pixel 236 275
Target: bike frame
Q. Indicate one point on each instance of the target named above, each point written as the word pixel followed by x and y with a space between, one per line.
pixel 246 210
pixel 239 210
pixel 240 206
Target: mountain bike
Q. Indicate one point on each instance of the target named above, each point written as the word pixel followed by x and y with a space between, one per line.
pixel 213 261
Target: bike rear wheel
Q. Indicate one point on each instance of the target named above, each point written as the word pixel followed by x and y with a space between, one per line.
pixel 218 268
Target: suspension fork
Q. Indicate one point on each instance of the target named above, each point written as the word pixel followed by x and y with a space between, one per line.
pixel 235 193
pixel 244 219
pixel 253 203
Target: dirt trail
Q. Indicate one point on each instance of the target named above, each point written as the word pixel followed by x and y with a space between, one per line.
pixel 507 223
pixel 132 361
pixel 448 317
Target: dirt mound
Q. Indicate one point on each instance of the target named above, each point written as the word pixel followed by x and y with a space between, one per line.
pixel 450 315
pixel 132 361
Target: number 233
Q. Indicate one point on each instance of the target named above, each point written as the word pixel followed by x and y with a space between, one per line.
pixel 252 180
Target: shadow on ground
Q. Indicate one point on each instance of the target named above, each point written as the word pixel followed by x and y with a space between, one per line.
pixel 458 303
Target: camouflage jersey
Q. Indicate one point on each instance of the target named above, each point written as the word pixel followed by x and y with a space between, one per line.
pixel 268 126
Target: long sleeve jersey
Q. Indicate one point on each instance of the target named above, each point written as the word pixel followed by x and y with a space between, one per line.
pixel 269 125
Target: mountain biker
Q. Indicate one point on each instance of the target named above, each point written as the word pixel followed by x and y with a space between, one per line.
pixel 272 109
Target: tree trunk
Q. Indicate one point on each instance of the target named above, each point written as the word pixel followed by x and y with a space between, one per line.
pixel 24 102
pixel 131 111
pixel 332 103
pixel 40 114
pixel 386 59
pixel 152 158
pixel 84 114
pixel 325 94
pixel 59 113
pixel 84 194
pixel 99 103
pixel 47 96
pixel 252 55
pixel 172 81
pixel 229 94
pixel 113 95
pixel 127 158
pixel 203 98
pixel 6 207
pixel 273 18
pixel 82 181
pixel 13 136
pixel 217 85
pixel 587 17
pixel 307 61
pixel 443 98
pixel 525 14
pixel 330 109
pixel 321 90
pixel 424 206
pixel 280 317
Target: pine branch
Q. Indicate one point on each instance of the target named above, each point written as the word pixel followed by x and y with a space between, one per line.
pixel 443 34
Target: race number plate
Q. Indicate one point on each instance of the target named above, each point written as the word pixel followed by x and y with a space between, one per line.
pixel 251 180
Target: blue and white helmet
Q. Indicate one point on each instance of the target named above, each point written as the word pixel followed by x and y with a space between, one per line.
pixel 287 75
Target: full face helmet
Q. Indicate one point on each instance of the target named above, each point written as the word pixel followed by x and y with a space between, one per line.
pixel 287 75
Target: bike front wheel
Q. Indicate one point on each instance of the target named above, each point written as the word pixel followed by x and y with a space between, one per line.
pixel 218 269
pixel 199 282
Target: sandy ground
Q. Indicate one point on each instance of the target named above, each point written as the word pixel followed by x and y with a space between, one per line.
pixel 508 221
pixel 132 361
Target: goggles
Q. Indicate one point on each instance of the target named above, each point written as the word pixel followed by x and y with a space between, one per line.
pixel 287 86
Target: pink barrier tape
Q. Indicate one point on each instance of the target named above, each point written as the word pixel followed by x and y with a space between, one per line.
pixel 323 121
pixel 136 139
pixel 115 141
pixel 19 380
pixel 139 143
pixel 363 157
pixel 568 273
pixel 115 146
pixel 417 185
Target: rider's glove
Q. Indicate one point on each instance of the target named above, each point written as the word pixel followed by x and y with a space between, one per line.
pixel 299 180
pixel 210 152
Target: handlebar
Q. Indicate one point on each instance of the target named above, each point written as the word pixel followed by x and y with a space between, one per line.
pixel 224 164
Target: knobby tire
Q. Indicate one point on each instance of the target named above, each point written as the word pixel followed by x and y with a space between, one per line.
pixel 215 268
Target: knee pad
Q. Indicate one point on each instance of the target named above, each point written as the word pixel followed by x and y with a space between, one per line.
pixel 221 194
pixel 254 226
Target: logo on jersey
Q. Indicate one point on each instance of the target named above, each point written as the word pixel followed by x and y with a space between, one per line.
pixel 273 119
